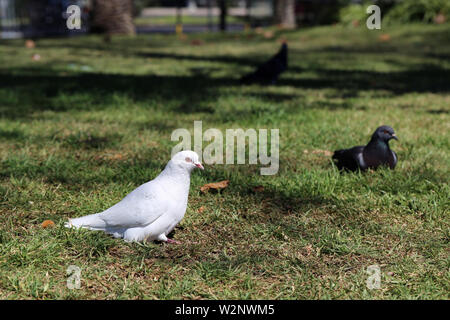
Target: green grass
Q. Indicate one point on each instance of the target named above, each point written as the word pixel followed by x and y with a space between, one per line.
pixel 90 121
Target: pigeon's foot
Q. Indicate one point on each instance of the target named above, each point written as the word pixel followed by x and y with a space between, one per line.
pixel 173 241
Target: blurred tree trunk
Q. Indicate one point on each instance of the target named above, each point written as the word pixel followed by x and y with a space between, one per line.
pixel 248 6
pixel 285 13
pixel 223 14
pixel 112 16
pixel 210 24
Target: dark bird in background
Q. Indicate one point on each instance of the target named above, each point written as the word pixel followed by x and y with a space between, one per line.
pixel 271 70
pixel 373 155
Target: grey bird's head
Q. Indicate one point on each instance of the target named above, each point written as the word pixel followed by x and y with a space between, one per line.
pixel 384 133
pixel 187 159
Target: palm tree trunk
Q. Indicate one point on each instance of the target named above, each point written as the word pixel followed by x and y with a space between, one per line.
pixel 223 15
pixel 285 13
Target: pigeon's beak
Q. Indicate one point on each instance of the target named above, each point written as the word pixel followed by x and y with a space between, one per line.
pixel 394 136
pixel 199 165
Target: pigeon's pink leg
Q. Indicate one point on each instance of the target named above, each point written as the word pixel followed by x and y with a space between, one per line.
pixel 173 241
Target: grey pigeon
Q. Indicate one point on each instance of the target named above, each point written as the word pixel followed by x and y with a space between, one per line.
pixel 152 210
pixel 373 155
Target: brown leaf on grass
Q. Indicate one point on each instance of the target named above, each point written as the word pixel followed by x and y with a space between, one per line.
pixel 110 157
pixel 268 34
pixel 258 189
pixel 197 42
pixel 215 185
pixel 182 37
pixel 30 44
pixel 324 152
pixel 309 249
pixel 201 209
pixel 318 151
pixel 117 156
pixel 47 223
pixel 384 37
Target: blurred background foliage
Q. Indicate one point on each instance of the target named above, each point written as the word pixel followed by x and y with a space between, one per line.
pixel 397 12
pixel 43 17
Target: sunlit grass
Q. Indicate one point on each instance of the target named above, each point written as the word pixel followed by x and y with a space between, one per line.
pixel 90 121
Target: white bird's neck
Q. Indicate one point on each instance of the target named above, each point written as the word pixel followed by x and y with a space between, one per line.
pixel 176 174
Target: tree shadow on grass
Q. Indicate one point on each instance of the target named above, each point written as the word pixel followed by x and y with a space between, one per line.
pixel 426 78
pixel 95 91
pixel 31 93
pixel 13 134
pixel 422 78
pixel 37 90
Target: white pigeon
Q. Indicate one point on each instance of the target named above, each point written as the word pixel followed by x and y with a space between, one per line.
pixel 152 210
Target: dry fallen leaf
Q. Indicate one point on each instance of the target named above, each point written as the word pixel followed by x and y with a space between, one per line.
pixel 117 156
pixel 259 30
pixel 258 189
pixel 215 185
pixel 30 44
pixel 309 249
pixel 384 37
pixel 182 37
pixel 324 152
pixel 268 34
pixel 201 209
pixel 47 223
pixel 318 151
pixel 197 42
pixel 110 157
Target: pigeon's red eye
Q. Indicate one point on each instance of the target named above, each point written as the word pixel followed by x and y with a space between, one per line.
pixel 188 159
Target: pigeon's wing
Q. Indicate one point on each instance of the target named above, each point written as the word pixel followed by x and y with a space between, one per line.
pixel 139 208
pixel 273 67
pixel 279 61
pixel 349 159
pixel 394 160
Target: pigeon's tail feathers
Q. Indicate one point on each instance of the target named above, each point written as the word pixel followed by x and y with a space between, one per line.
pixel 339 154
pixel 92 221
